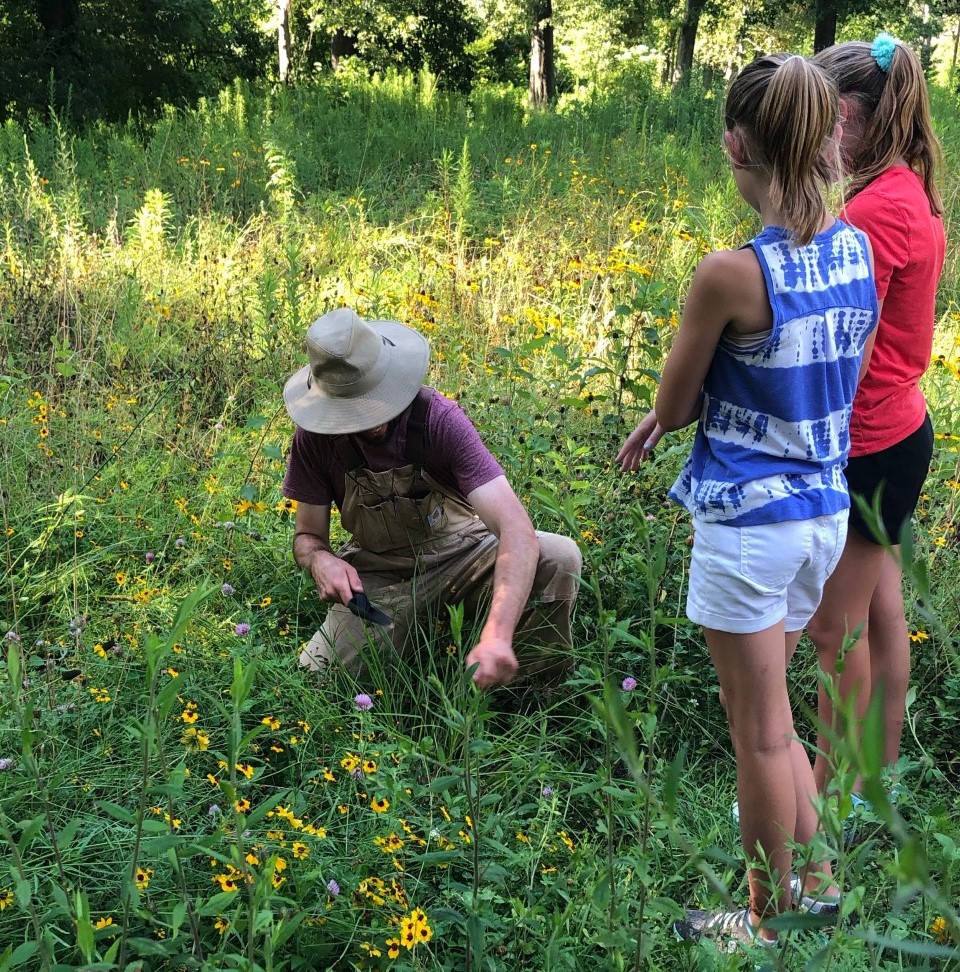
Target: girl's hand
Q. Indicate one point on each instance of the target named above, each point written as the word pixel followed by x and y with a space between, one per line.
pixel 640 443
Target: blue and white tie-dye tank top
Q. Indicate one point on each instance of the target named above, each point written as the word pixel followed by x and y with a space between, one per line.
pixel 773 434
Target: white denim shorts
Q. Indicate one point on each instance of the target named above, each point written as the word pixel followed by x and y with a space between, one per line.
pixel 745 579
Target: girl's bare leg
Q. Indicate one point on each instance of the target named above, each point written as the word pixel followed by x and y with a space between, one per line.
pixel 845 606
pixel 753 678
pixel 890 653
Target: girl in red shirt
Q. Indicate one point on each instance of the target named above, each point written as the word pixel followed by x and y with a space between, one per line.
pixel 890 150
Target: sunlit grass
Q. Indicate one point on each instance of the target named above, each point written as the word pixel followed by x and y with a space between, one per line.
pixel 172 788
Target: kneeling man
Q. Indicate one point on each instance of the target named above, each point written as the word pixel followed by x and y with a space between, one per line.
pixel 433 520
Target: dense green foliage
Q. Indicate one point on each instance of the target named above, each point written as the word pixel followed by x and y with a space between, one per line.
pixel 174 793
pixel 92 60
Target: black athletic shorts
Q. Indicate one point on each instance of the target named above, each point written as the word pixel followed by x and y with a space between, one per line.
pixel 899 472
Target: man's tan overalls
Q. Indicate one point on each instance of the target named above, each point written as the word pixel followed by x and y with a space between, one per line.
pixel 418 547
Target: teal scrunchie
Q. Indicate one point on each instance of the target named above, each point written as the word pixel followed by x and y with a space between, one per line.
pixel 883 49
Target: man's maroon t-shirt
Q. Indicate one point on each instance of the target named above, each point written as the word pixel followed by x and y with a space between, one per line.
pixel 454 456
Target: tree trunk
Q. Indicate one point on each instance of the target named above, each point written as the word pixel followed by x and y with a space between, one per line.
pixel 283 39
pixel 825 27
pixel 687 40
pixel 953 63
pixel 543 80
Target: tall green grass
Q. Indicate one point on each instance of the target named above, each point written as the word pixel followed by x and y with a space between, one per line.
pixel 176 793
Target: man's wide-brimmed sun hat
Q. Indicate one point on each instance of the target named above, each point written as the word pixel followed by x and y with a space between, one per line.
pixel 361 373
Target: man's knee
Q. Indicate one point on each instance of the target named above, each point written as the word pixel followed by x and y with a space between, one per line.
pixel 559 568
pixel 343 640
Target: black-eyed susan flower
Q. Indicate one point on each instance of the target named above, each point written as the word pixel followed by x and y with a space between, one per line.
pixel 6 898
pixel 222 925
pixel 142 877
pixel 379 804
pixel 195 739
pixel 227 882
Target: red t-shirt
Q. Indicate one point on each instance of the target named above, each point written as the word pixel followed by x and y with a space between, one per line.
pixel 908 250
pixel 454 455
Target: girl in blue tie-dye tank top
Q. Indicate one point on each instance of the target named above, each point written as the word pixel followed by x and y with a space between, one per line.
pixel 766 361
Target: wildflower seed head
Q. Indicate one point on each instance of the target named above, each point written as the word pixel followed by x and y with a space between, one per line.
pixel 242 629
pixel 149 556
pixel 363 702
pixel 628 684
pixel 13 637
pixel 332 887
pixel 227 590
pixel 179 542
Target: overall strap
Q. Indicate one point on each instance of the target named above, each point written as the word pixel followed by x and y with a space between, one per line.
pixel 347 452
pixel 417 427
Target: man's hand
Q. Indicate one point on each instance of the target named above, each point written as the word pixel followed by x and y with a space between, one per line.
pixel 640 443
pixel 496 663
pixel 336 580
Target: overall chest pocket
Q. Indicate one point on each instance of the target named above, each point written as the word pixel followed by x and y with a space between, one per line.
pixel 396 510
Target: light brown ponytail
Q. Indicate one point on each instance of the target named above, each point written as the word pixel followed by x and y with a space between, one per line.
pixel 787 109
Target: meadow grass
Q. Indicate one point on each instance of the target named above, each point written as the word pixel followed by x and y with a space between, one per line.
pixel 174 792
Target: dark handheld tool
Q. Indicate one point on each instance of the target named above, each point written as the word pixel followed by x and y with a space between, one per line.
pixel 360 605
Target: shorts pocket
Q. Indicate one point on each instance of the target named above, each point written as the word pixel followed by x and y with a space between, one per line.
pixel 766 561
pixel 840 540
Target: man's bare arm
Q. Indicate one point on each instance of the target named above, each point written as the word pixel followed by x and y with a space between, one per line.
pixel 517 557
pixel 336 580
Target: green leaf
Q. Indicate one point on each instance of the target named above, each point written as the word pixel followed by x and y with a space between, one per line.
pixel 84 925
pixel 21 954
pixel 671 781
pixel 218 903
pixel 29 829
pixel 475 935
pixel 286 927
pixel 115 810
pixel 187 606
pixel 907 946
pixel 177 918
pixel 13 665
pixel 23 889
pixel 256 422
